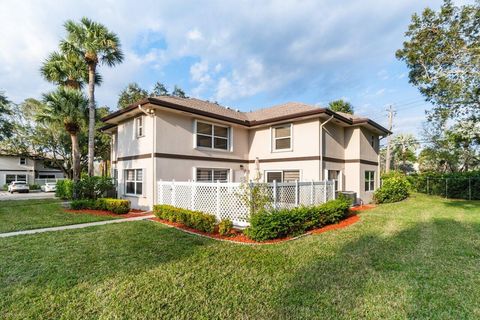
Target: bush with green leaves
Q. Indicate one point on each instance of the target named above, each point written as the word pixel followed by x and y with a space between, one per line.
pixel 34 187
pixel 64 189
pixel 395 187
pixel 92 187
pixel 117 206
pixel 273 224
pixel 225 227
pixel 194 219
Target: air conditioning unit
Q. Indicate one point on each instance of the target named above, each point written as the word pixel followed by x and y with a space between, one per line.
pixel 350 195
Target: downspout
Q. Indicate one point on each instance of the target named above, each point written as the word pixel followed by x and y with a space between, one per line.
pixel 320 174
pixel 151 113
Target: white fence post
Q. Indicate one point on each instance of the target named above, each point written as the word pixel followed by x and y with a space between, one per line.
pixel 325 191
pixel 275 194
pixel 193 194
pixel 296 192
pixel 218 200
pixel 334 195
pixel 160 191
pixel 174 202
pixel 311 194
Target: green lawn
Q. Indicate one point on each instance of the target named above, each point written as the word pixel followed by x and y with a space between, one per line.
pixel 416 259
pixel 31 214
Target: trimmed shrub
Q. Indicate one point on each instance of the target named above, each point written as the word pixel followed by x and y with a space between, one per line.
pixel 64 189
pixel 395 188
pixel 282 223
pixel 82 204
pixel 117 206
pixel 193 219
pixel 34 187
pixel 225 227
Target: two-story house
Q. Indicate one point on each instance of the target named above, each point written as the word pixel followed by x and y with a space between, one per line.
pixel 169 138
pixel 22 168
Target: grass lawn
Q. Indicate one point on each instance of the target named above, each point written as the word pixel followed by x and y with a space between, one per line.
pixel 416 259
pixel 31 214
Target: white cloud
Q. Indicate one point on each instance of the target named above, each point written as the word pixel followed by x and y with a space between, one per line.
pixel 194 35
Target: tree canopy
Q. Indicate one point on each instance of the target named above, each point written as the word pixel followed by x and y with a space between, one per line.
pixel 131 94
pixel 341 106
pixel 442 53
pixel 5 111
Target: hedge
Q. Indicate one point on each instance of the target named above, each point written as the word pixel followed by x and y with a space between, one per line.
pixel 282 223
pixel 395 187
pixel 117 206
pixel 193 219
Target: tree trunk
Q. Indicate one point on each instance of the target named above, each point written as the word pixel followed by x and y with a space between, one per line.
pixel 91 116
pixel 75 156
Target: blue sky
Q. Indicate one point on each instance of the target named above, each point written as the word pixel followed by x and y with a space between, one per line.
pixel 243 54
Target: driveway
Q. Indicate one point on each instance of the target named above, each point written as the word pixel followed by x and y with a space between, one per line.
pixel 4 195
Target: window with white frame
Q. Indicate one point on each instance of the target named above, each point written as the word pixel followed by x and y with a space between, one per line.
pixel 9 178
pixel 23 160
pixel 212 175
pixel 139 127
pixel 212 136
pixel 134 181
pixel 282 137
pixel 282 176
pixel 369 180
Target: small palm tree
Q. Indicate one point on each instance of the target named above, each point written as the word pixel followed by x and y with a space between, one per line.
pixel 66 70
pixel 95 44
pixel 68 107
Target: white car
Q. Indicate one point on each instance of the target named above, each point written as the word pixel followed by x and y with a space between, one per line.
pixel 49 187
pixel 18 186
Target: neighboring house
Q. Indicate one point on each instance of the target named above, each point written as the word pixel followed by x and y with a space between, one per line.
pixel 21 168
pixel 166 138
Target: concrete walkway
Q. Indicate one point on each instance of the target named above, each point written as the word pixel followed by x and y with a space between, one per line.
pixel 73 226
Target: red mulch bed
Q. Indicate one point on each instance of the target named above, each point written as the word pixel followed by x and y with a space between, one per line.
pixel 238 236
pixel 342 224
pixel 132 214
pixel 363 207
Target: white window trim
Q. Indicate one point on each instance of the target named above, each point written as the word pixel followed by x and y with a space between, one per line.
pixel 273 139
pixel 136 127
pixel 370 180
pixel 229 174
pixel 135 181
pixel 229 136
pixel 20 161
pixel 266 172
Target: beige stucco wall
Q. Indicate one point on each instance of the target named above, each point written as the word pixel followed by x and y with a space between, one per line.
pixel 305 141
pixel 175 135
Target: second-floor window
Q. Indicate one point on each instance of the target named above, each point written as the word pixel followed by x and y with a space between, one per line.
pixel 282 137
pixel 212 136
pixel 23 161
pixel 139 127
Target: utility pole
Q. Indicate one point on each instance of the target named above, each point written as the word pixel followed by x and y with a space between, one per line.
pixel 391 113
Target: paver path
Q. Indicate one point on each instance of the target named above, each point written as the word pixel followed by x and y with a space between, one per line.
pixel 73 226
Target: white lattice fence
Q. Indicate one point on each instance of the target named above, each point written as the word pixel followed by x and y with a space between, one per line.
pixel 224 200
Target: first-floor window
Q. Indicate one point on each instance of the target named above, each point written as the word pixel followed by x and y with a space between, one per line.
pixel 212 175
pixel 335 176
pixel 9 178
pixel 282 176
pixel 46 176
pixel 134 181
pixel 369 180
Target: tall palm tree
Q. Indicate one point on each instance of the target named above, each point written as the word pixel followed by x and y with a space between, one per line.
pixel 95 44
pixel 66 70
pixel 68 107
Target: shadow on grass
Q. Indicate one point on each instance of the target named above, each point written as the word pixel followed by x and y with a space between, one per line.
pixel 470 205
pixel 427 271
pixel 65 259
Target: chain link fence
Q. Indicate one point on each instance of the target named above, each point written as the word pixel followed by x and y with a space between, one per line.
pixel 449 187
